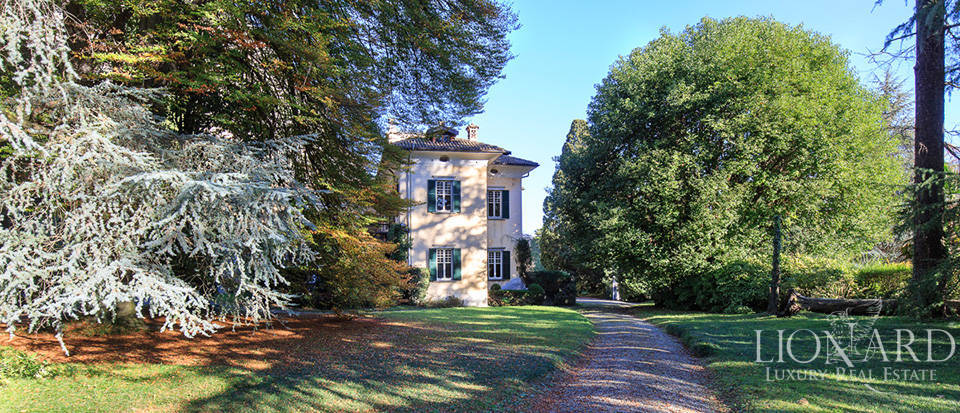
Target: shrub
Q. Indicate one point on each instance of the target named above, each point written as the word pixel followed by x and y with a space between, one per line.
pixel 883 280
pixel 499 297
pixel 728 288
pixel 632 289
pixel 818 276
pixel 495 296
pixel 415 289
pixel 740 309
pixel 567 294
pixel 559 288
pixel 358 275
pixel 15 364
pixel 535 294
pixel 524 257
pixel 546 287
pixel 742 286
pixel 448 302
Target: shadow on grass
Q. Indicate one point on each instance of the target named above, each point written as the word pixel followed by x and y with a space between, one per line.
pixel 731 345
pixel 431 360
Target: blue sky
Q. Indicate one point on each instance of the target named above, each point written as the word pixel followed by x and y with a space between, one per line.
pixel 564 48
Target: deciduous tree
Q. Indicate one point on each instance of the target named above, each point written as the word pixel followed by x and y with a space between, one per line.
pixel 698 139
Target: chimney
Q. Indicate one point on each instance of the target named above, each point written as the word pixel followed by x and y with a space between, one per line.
pixel 393 132
pixel 472 132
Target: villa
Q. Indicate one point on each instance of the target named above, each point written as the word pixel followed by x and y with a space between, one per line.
pixel 467 216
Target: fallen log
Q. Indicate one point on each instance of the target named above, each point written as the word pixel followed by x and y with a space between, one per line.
pixel 794 303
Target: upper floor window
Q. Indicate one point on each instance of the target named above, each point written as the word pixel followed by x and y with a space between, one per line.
pixel 498 203
pixel 495 204
pixel 443 195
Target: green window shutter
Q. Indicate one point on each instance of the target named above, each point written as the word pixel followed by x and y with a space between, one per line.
pixel 456 263
pixel 432 197
pixel 456 196
pixel 505 208
pixel 506 265
pixel 432 262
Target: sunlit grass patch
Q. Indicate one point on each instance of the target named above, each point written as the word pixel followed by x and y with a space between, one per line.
pixel 451 359
pixel 746 383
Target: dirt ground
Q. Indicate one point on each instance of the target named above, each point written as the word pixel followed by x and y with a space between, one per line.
pixel 287 341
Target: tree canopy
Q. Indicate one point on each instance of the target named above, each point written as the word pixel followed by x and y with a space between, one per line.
pixel 196 158
pixel 698 139
pixel 333 69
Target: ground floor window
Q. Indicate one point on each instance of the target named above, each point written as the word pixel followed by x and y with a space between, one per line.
pixel 444 264
pixel 498 264
pixel 495 265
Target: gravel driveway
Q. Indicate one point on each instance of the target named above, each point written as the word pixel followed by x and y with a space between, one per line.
pixel 632 366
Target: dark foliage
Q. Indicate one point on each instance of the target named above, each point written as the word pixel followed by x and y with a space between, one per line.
pixel 414 291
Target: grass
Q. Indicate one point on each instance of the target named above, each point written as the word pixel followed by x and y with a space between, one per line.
pixel 728 345
pixel 452 359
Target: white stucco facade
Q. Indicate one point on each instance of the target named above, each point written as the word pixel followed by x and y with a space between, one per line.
pixel 478 168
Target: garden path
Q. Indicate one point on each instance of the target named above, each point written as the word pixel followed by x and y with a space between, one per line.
pixel 632 366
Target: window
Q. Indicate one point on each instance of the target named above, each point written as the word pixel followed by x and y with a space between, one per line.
pixel 495 265
pixel 498 203
pixel 495 204
pixel 444 196
pixel 445 264
pixel 498 264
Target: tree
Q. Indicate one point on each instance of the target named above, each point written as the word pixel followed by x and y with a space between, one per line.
pixel 697 140
pixel 261 69
pixel 928 249
pixel 930 275
pixel 524 257
pixel 262 158
pixel 333 69
pixel 566 216
pixel 101 200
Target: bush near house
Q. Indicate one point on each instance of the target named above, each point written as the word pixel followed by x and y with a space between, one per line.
pixel 545 287
pixel 449 302
pixel 498 297
pixel 559 287
pixel 415 290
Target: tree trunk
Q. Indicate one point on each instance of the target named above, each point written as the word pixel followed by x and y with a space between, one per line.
pixel 794 303
pixel 775 270
pixel 928 248
pixel 126 317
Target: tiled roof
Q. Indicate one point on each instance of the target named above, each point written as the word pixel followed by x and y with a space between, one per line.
pixel 511 160
pixel 451 145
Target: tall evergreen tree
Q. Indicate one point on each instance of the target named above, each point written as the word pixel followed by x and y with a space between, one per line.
pixel 930 26
pixel 928 249
pixel 566 215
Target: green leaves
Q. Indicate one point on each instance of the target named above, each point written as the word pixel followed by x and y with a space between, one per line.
pixel 697 139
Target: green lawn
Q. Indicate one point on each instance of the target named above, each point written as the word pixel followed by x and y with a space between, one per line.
pixel 455 359
pixel 728 344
